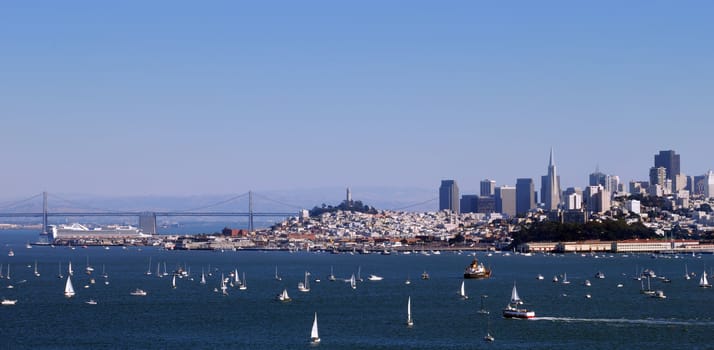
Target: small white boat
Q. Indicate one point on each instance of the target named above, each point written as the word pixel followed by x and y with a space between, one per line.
pixel 37 273
pixel 600 275
pixel 8 302
pixel 68 288
pixel 410 322
pixel 375 278
pixel 587 283
pixel 483 310
pixel 703 282
pixel 277 278
pixel 314 336
pixel 539 277
pixel 488 337
pixel 555 279
pixel 173 282
pixel 659 294
pixel 588 296
pixel 353 282
pixel 138 292
pixel 284 296
pixel 91 302
pixel 462 291
pixel 331 277
pixel 305 286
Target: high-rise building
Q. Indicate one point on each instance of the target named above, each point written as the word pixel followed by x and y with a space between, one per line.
pixel 488 188
pixel 486 204
pixel 668 160
pixel 709 184
pixel 597 199
pixel 597 178
pixel 551 186
pixel 658 175
pixel 468 203
pixel 525 195
pixel 506 200
pixel 449 196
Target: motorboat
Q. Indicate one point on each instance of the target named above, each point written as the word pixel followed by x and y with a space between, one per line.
pixel 138 292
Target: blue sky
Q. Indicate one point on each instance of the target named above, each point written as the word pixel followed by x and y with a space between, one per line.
pixel 180 97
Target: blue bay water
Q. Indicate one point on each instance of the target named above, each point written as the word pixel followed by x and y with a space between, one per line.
pixel 373 316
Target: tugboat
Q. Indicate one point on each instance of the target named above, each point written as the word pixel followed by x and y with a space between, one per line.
pixel 477 270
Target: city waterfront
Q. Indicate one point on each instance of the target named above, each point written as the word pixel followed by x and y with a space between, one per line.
pixel 371 316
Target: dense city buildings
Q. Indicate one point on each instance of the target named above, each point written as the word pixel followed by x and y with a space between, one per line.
pixel 449 196
pixel 506 200
pixel 668 160
pixel 488 188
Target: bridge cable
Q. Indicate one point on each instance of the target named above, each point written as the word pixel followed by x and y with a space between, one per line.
pixel 16 204
pixel 277 201
pixel 214 204
pixel 84 206
pixel 415 204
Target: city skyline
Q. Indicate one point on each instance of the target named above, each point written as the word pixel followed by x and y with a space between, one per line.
pixel 167 98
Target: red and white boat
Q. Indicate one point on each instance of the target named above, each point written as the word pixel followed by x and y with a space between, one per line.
pixel 513 311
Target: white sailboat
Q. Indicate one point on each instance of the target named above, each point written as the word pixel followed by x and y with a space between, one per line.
pixel 37 273
pixel 243 286
pixel 410 322
pixel 488 337
pixel 686 273
pixel 173 282
pixel 332 275
pixel 59 274
pixel 148 270
pixel 69 269
pixel 359 273
pixel 89 269
pixel 462 291
pixel 224 289
pixel 565 279
pixel 203 277
pixel 158 270
pixel 236 277
pixel 703 282
pixel 305 286
pixel 353 282
pixel 277 278
pixel 284 296
pixel 314 336
pixel 68 288
pixel 483 308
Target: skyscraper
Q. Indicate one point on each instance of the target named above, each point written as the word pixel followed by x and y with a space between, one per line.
pixel 597 178
pixel 449 196
pixel 525 195
pixel 709 184
pixel 668 160
pixel 658 175
pixel 488 188
pixel 506 200
pixel 551 186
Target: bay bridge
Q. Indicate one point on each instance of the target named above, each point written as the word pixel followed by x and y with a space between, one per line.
pixel 147 219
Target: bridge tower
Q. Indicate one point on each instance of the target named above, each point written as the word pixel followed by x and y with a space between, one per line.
pixel 44 213
pixel 250 211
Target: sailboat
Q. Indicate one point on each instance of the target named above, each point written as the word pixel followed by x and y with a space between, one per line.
pixel 703 282
pixel 59 274
pixel 462 291
pixel 483 308
pixel 314 336
pixel 353 282
pixel 304 286
pixel 158 270
pixel 686 273
pixel 284 296
pixel 236 277
pixel 512 311
pixel 89 269
pixel 565 279
pixel 488 337
pixel 647 291
pixel 173 282
pixel 359 273
pixel 410 322
pixel 332 275
pixel 224 289
pixel 243 286
pixel 148 270
pixel 69 269
pixel 68 288
pixel 203 277
pixel 37 274
pixel 277 278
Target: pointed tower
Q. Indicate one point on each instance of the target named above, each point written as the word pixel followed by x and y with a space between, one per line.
pixel 552 184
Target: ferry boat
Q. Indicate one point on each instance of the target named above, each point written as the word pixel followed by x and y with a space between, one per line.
pixel 512 311
pixel 477 270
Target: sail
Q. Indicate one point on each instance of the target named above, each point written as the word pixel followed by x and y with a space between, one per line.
pixel 353 283
pixel 69 268
pixel 173 281
pixel 313 333
pixel 68 288
pixel 203 278
pixel 409 309
pixel 703 280
pixel 463 291
pixel 514 295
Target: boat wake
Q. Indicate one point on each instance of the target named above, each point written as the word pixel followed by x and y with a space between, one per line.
pixel 661 322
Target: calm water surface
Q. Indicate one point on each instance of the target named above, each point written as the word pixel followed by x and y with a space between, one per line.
pixel 373 316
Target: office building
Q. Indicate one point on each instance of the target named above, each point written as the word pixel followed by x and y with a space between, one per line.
pixel 668 160
pixel 468 203
pixel 506 200
pixel 658 175
pixel 525 196
pixel 449 196
pixel 709 184
pixel 488 188
pixel 551 186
